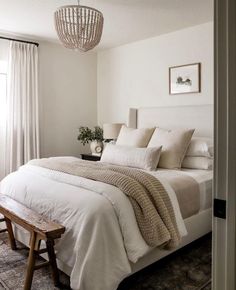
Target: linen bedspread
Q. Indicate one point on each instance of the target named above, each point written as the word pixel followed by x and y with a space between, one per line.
pixel 151 203
pixel 102 234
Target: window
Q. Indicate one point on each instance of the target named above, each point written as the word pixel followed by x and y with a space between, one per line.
pixel 3 97
pixel 3 92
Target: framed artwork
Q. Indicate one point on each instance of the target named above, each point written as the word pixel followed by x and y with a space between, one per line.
pixel 185 79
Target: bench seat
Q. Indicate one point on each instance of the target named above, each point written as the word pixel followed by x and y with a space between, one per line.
pixel 40 228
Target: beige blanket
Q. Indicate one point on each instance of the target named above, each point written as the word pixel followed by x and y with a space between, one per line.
pixel 150 201
pixel 187 192
pixel 186 188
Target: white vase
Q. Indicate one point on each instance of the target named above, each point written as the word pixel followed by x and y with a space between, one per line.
pixel 96 147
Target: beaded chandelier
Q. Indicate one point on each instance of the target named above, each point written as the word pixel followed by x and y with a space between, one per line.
pixel 79 27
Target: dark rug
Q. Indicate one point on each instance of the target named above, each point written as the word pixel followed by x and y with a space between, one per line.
pixel 187 269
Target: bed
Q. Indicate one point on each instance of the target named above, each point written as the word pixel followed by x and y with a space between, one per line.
pixel 103 244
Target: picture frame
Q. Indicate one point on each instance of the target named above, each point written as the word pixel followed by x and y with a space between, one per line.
pixel 185 79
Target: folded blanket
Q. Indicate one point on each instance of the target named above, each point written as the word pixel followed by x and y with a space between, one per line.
pixel 151 203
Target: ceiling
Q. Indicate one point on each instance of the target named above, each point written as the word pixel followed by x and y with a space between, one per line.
pixel 125 20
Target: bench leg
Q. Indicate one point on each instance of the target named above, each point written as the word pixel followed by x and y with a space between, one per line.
pixel 10 234
pixel 53 262
pixel 31 262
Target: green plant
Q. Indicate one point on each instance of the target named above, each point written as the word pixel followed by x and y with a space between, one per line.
pixel 98 133
pixel 87 135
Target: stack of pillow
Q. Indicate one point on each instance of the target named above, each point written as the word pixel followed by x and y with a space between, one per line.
pixel 149 148
pixel 199 154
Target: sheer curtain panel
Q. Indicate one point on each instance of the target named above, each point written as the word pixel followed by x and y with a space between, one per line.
pixel 3 95
pixel 22 126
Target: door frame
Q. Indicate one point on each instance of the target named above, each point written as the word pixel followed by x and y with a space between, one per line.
pixel 224 230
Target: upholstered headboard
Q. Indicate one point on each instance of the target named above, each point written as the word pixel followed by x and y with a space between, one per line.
pixel 199 117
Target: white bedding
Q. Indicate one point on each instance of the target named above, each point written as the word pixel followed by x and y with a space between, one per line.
pixel 102 234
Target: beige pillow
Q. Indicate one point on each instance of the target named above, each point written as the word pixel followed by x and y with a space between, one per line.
pixel 174 146
pixel 197 162
pixel 200 147
pixel 134 137
pixel 143 158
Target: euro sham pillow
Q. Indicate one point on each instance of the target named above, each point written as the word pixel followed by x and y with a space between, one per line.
pixel 200 147
pixel 174 146
pixel 196 162
pixel 142 158
pixel 134 137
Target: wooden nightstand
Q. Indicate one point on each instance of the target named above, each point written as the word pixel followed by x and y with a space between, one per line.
pixel 90 157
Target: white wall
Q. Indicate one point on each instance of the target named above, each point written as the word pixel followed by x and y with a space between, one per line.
pixel 136 75
pixel 74 91
pixel 68 98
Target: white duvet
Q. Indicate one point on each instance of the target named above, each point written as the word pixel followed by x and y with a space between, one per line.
pixel 102 234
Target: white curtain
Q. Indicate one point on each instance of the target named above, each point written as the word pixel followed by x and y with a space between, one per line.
pixel 3 95
pixel 22 127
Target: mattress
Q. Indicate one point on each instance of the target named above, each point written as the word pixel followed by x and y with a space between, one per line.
pixel 193 188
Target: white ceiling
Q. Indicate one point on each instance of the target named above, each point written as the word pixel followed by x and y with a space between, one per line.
pixel 125 20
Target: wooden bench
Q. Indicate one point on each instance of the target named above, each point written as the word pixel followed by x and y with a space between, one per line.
pixel 40 229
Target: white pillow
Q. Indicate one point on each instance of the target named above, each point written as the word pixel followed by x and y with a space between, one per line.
pixel 200 146
pixel 195 162
pixel 134 137
pixel 174 145
pixel 143 158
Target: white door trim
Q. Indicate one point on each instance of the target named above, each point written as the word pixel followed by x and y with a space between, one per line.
pixel 224 231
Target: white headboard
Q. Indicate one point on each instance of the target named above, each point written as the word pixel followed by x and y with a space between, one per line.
pixel 199 117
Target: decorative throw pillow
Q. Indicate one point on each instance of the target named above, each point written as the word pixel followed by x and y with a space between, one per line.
pixel 134 137
pixel 195 162
pixel 174 145
pixel 200 146
pixel 143 158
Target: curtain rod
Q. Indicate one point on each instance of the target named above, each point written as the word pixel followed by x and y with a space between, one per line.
pixel 19 40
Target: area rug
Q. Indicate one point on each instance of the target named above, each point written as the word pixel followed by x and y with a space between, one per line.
pixel 187 269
